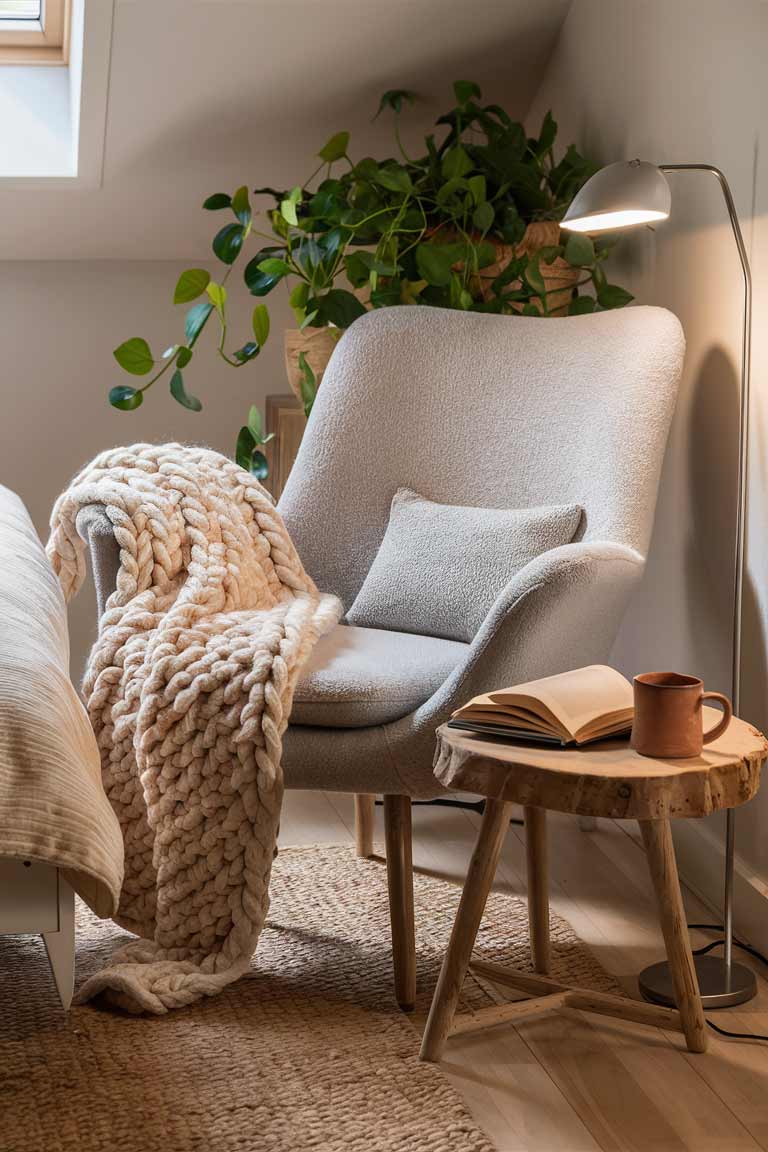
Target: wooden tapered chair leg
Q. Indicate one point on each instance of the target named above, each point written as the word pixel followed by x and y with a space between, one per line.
pixel 397 832
pixel 365 813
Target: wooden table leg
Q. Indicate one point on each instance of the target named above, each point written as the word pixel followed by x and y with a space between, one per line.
pixel 660 851
pixel 538 888
pixel 477 885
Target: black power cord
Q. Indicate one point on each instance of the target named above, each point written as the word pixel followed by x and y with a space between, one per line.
pixel 745 948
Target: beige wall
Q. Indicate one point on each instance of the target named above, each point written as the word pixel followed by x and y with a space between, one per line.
pixel 59 322
pixel 221 92
pixel 684 80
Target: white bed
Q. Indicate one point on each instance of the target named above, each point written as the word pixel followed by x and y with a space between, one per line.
pixel 58 833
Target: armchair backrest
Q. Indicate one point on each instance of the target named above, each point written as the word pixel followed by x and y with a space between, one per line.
pixel 494 411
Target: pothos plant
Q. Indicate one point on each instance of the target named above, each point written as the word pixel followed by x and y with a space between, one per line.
pixel 367 233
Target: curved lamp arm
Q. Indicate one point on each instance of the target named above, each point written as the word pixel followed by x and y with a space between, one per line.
pixel 746 342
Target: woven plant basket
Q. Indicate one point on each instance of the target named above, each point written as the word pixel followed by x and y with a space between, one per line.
pixel 559 277
pixel 317 344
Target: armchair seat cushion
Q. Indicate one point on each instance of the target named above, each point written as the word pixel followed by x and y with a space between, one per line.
pixel 359 677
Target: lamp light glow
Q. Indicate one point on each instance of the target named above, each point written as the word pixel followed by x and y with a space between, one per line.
pixel 613 221
pixel 621 195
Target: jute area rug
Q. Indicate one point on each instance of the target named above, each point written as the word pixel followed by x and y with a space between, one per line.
pixel 307 1052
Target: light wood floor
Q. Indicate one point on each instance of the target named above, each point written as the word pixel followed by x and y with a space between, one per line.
pixel 569 1082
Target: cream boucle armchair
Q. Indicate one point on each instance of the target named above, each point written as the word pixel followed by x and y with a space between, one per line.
pixel 475 410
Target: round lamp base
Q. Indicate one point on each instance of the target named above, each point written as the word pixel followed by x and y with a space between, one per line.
pixel 719 988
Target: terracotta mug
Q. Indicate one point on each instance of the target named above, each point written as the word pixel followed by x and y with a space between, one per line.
pixel 668 715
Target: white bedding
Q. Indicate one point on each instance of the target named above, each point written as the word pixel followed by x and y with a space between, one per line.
pixel 52 805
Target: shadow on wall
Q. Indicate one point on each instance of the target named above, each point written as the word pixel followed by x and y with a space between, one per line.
pixel 713 461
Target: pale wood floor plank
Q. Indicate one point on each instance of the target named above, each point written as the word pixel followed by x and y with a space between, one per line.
pixel 567 1082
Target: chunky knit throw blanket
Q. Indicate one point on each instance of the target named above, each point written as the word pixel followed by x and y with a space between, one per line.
pixel 189 689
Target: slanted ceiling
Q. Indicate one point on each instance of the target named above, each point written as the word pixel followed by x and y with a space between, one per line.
pixel 207 94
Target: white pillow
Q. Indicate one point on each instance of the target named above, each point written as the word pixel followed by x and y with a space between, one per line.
pixel 441 566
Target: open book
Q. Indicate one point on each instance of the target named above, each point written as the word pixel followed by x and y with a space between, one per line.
pixel 571 708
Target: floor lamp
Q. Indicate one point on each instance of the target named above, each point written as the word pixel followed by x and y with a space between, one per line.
pixel 625 195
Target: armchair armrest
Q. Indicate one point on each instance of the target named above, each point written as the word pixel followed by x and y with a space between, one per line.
pixel 95 528
pixel 561 611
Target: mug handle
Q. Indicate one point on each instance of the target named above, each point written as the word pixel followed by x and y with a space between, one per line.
pixel 727 715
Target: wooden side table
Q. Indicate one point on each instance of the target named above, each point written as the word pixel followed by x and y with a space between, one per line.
pixel 605 779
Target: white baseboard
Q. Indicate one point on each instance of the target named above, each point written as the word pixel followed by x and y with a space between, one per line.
pixel 701 862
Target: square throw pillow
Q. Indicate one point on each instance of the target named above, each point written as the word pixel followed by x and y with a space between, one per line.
pixel 441 566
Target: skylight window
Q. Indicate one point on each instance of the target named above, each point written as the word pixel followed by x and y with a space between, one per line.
pixel 34 31
pixel 20 9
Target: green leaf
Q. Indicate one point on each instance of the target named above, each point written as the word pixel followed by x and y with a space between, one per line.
pixel 579 250
pixel 335 148
pixel 258 283
pixel 339 307
pixel 307 384
pixel 241 206
pixel 135 356
pixel 125 398
pixel 450 191
pixel 581 306
pixel 254 423
pixel 530 310
pixel 394 99
pixel 259 467
pixel 195 319
pixel 228 242
pixel 248 351
pixel 298 299
pixel 184 357
pixel 482 217
pixel 356 268
pixel 477 188
pixel 299 295
pixel 309 321
pixel 190 285
pixel 394 179
pixel 217 201
pixel 288 206
pixel 456 162
pixel 534 277
pixel 547 135
pixel 180 394
pixel 217 294
pixel 244 448
pixel 260 324
pixel 273 266
pixel 434 262
pixel 612 296
pixel 465 90
pixel 486 254
pixel 548 253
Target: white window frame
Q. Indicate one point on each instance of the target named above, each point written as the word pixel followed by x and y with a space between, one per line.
pixel 44 41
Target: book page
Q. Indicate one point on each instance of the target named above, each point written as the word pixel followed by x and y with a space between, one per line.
pixel 520 710
pixel 576 699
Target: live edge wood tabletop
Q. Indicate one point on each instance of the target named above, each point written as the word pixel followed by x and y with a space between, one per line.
pixel 605 779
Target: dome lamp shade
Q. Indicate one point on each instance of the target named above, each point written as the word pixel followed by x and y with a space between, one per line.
pixel 620 195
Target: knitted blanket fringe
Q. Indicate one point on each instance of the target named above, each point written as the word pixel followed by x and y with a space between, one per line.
pixel 189 690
